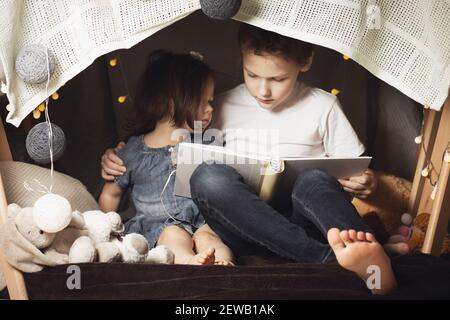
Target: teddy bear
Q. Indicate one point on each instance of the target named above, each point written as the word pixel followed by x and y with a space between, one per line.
pixel 385 212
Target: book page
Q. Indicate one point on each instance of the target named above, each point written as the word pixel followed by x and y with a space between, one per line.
pixel 190 156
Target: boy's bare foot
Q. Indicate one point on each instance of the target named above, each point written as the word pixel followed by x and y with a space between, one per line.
pixel 206 257
pixel 359 252
pixel 224 263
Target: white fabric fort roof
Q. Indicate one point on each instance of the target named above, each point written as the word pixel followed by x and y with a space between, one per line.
pixel 410 50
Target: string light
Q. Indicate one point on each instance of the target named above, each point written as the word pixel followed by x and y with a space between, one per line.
pixel 55 96
pixel 36 114
pixel 433 193
pixel 447 156
pixel 345 57
pixel 425 172
pixel 335 92
pixel 41 107
pixel 113 62
pixel 418 139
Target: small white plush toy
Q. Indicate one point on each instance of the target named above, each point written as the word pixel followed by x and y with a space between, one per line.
pixel 72 237
pixel 96 236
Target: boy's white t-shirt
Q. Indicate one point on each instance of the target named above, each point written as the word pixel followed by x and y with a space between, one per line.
pixel 310 123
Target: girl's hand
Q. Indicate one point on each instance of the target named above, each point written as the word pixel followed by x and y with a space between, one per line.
pixel 362 186
pixel 112 165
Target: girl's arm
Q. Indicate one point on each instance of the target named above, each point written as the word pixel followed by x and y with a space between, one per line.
pixel 110 197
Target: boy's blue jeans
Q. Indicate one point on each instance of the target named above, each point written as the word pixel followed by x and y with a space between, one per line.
pixel 250 226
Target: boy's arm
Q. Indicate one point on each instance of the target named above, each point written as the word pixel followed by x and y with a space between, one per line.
pixel 110 197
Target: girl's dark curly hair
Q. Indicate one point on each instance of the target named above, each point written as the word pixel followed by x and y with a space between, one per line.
pixel 170 87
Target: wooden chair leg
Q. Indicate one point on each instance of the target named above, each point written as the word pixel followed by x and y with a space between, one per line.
pixel 428 138
pixel 440 214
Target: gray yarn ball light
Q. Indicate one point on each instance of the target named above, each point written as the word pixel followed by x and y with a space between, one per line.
pixel 37 143
pixel 31 64
pixel 220 9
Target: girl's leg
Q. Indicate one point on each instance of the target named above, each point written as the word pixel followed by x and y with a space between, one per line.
pixel 205 238
pixel 180 242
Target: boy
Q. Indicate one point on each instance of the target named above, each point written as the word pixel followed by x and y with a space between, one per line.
pixel 310 123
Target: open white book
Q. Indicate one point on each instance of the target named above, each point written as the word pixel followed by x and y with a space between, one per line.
pixel 268 177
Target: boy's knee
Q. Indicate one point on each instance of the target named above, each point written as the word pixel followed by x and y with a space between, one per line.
pixel 210 178
pixel 310 177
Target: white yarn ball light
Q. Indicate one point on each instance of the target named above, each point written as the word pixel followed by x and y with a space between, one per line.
pixel 31 64
pixel 37 143
pixel 406 219
pixel 52 213
pixel 220 9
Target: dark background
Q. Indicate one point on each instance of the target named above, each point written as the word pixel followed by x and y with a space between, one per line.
pixel 90 115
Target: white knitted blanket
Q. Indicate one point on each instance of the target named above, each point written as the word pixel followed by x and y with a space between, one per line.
pixel 410 50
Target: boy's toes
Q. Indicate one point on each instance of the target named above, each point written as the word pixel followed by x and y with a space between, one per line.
pixel 361 236
pixel 370 237
pixel 345 236
pixel 353 235
pixel 334 239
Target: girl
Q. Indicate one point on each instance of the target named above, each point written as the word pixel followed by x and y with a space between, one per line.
pixel 175 91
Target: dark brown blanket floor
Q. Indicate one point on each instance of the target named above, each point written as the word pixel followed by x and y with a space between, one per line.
pixel 419 276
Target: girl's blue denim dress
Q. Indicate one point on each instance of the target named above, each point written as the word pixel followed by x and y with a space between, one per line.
pixel 148 171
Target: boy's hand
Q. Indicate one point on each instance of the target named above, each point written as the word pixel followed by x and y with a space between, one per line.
pixel 112 165
pixel 362 186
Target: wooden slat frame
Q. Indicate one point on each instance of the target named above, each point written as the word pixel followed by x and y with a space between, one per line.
pixel 431 125
pixel 439 208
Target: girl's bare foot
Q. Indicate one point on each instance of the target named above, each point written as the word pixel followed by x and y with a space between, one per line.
pixel 206 257
pixel 224 263
pixel 360 252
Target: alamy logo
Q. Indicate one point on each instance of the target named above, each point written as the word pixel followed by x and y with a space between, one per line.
pixel 374 280
pixel 74 280
pixel 251 142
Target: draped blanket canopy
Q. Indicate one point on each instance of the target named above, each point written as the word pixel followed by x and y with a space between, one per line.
pixel 409 48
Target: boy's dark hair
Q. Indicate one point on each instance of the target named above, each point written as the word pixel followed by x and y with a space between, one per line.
pixel 171 86
pixel 261 41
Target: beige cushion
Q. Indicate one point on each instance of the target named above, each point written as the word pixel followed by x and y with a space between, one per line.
pixel 15 174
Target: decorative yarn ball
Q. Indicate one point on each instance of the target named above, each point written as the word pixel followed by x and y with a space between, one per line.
pixel 31 64
pixel 406 219
pixel 37 143
pixel 220 9
pixel 52 213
